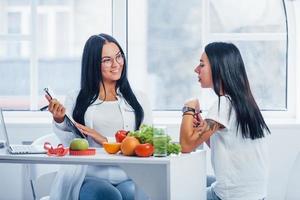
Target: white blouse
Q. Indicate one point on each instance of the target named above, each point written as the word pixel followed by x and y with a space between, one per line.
pixel 69 179
pixel 240 165
pixel 107 120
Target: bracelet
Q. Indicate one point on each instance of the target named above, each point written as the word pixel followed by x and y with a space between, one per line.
pixel 186 113
pixel 188 109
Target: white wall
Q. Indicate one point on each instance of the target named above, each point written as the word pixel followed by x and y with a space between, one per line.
pixel 284 145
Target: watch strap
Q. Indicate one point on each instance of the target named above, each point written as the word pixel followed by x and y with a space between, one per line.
pixel 188 109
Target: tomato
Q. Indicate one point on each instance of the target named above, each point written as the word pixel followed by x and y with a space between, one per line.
pixel 120 135
pixel 144 150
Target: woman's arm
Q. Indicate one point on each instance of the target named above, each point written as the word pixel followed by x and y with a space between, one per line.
pixel 193 134
pixel 61 129
pixel 99 138
pixel 191 137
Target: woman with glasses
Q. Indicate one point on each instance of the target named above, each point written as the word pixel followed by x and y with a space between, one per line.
pixel 104 104
pixel 234 127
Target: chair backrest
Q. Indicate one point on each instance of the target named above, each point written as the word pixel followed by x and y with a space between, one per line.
pixel 42 175
pixel 293 192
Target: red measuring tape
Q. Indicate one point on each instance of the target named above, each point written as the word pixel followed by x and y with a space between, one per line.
pixel 58 151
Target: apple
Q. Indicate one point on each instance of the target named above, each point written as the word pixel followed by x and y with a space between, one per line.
pixel 120 135
pixel 79 144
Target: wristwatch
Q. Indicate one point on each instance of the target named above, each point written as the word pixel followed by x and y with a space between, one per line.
pixel 188 109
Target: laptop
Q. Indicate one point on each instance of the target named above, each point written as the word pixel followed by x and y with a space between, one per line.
pixel 16 148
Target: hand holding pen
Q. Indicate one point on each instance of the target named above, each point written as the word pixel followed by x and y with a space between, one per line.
pixel 59 115
pixel 55 107
pixel 48 95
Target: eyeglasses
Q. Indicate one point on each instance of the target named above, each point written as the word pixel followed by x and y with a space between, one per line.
pixel 108 61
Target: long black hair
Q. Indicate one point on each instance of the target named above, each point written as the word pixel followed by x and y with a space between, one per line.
pixel 229 75
pixel 91 78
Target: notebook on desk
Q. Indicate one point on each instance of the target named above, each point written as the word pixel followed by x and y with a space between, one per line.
pixel 18 148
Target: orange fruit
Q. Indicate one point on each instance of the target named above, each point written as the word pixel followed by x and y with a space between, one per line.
pixel 128 145
pixel 111 148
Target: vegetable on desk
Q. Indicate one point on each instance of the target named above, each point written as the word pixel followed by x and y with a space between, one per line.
pixel 145 135
pixel 130 142
pixel 144 150
pixel 173 148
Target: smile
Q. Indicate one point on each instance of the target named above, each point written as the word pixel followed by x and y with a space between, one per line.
pixel 115 71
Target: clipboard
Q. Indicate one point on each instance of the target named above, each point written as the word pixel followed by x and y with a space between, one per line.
pixel 71 124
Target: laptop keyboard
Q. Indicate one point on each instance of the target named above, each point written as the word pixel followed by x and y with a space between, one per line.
pixel 24 149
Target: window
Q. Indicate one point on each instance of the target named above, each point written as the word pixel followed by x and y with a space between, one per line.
pixel 41 44
pixel 165 47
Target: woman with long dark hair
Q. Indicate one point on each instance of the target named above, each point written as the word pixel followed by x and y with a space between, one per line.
pixel 104 104
pixel 234 127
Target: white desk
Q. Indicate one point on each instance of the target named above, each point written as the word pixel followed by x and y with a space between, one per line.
pixel 167 178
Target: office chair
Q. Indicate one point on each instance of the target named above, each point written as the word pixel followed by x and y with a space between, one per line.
pixel 42 175
pixel 293 192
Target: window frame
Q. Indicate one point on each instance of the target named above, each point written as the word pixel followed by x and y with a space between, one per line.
pixel 32 12
pixel 292 110
pixel 289 112
pixel 120 31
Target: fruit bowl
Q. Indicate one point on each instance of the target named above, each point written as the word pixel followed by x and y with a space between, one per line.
pixel 87 152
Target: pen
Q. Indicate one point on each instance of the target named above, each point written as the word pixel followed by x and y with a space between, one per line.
pixel 43 108
pixel 47 92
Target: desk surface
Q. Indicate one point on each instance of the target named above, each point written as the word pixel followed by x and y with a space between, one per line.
pixel 100 157
pixel 161 178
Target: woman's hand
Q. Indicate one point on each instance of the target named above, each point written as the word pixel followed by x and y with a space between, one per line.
pixel 57 109
pixel 202 127
pixel 198 120
pixel 92 133
pixel 194 103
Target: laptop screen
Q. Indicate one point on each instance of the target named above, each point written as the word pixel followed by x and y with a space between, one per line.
pixel 3 127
